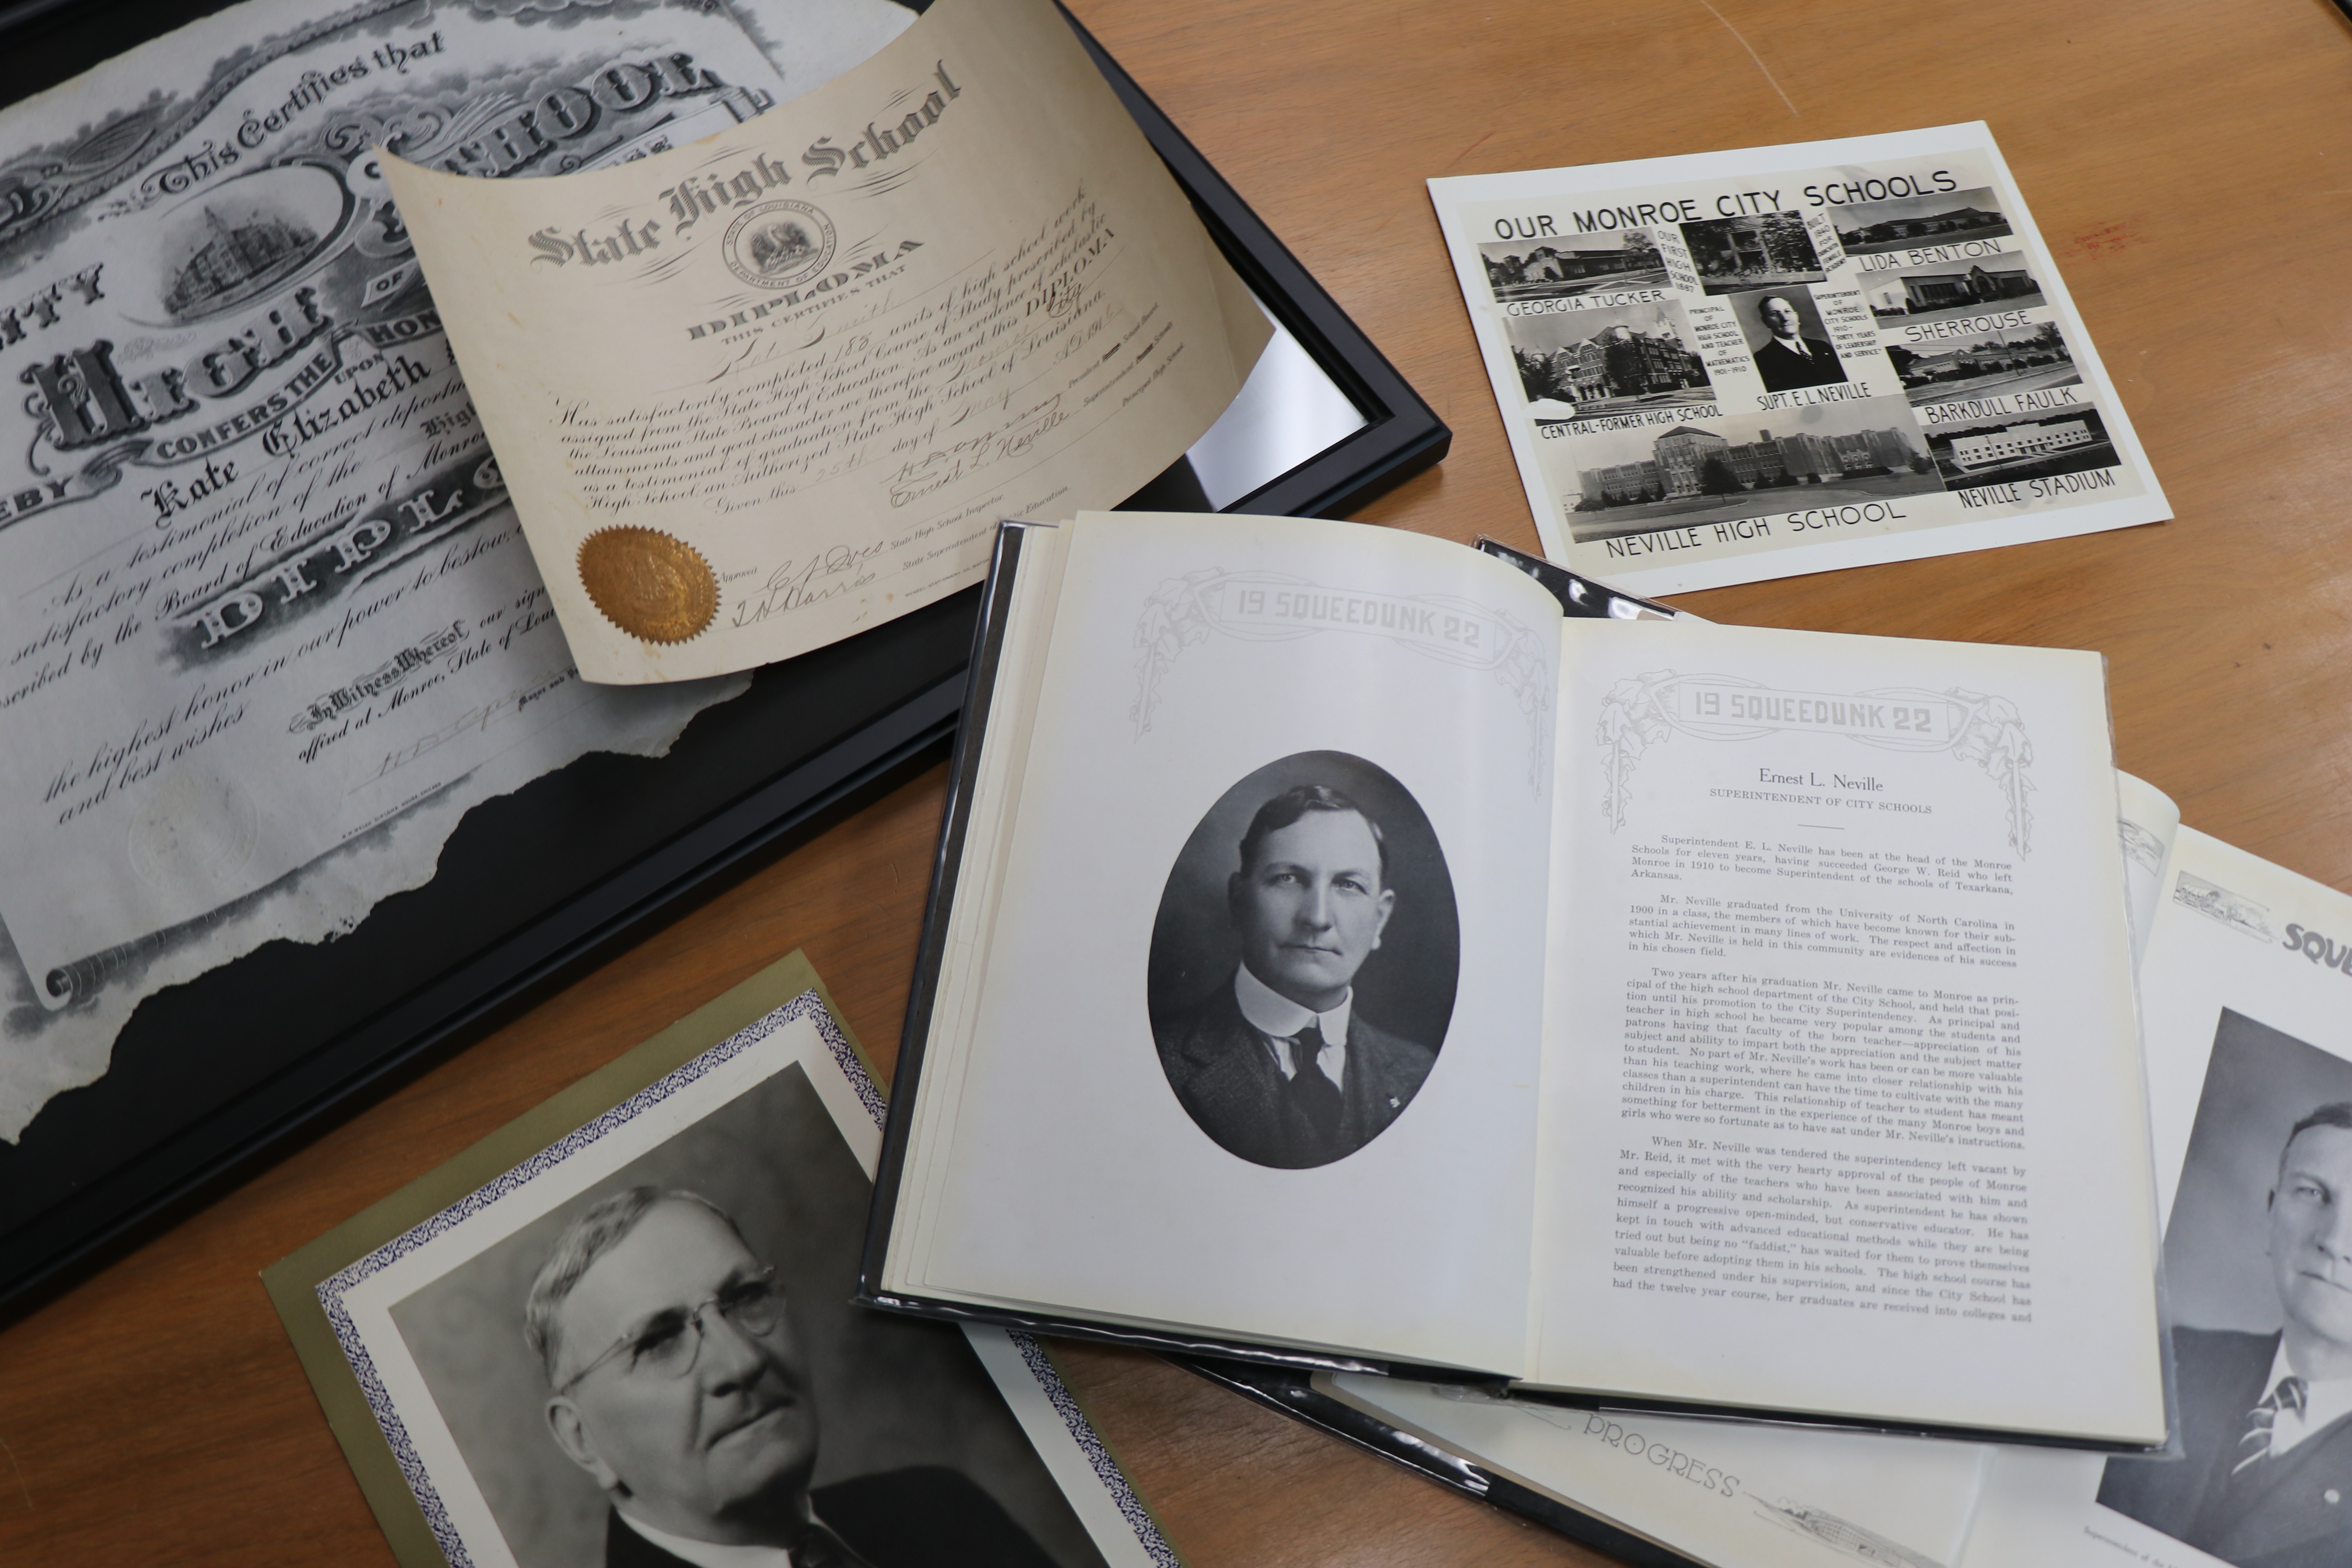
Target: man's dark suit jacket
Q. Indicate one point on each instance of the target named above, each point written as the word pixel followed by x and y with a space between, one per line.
pixel 1783 370
pixel 2291 1512
pixel 1227 1081
pixel 924 1517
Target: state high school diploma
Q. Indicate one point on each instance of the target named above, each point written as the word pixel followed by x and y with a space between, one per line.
pixel 757 394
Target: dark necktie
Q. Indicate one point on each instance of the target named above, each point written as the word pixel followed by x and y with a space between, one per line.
pixel 1317 1097
pixel 2255 1446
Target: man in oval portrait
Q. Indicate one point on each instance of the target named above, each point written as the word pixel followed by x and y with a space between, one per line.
pixel 1278 1065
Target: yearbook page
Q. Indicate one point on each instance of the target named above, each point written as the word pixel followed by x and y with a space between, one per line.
pixel 831 350
pixel 1842 1079
pixel 1723 1494
pixel 1739 366
pixel 1720 1493
pixel 1255 1008
pixel 2250 1081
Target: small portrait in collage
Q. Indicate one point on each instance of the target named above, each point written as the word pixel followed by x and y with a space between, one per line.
pixel 1579 364
pixel 1868 229
pixel 2256 1258
pixel 1786 339
pixel 1556 268
pixel 2004 360
pixel 1752 252
pixel 2002 451
pixel 1993 282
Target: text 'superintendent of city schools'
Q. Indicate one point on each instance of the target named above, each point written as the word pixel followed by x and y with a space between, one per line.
pixel 757 394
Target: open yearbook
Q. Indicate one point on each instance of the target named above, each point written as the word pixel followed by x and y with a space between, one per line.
pixel 1338 952
pixel 2250 1070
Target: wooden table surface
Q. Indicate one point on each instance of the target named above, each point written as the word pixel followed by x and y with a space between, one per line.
pixel 2188 162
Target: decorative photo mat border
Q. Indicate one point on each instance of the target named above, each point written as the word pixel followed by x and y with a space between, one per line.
pixel 1090 1444
pixel 333 1290
pixel 311 1279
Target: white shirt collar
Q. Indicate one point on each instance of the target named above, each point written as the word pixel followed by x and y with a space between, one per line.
pixel 1795 345
pixel 2324 1404
pixel 1269 1012
pixel 710 1554
pixel 1277 1017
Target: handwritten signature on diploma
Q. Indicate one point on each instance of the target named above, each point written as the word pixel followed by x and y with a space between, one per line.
pixel 945 465
pixel 794 584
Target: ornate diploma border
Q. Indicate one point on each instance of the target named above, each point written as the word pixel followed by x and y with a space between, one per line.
pixel 1973 727
pixel 810 1005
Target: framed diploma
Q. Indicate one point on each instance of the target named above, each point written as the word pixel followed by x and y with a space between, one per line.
pixel 171 1058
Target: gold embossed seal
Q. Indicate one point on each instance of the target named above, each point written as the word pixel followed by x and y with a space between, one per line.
pixel 648 583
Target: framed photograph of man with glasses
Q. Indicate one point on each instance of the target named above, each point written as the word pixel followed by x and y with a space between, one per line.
pixel 619 1331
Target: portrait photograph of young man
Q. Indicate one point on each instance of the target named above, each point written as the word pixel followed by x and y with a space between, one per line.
pixel 1304 961
pixel 2258 1252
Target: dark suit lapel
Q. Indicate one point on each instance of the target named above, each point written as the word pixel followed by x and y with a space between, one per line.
pixel 1383 1074
pixel 1227 1079
pixel 1237 1078
pixel 1232 1080
pixel 1359 1096
pixel 2282 1502
pixel 2226 1388
pixel 1365 1108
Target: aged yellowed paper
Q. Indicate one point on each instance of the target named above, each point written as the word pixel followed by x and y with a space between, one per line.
pixel 755 394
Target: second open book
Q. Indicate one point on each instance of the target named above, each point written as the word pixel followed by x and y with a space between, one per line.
pixel 1337 950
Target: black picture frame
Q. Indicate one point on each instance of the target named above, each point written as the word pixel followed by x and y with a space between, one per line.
pixel 214 1075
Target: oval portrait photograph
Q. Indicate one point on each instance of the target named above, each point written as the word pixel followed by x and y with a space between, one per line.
pixel 1303 961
